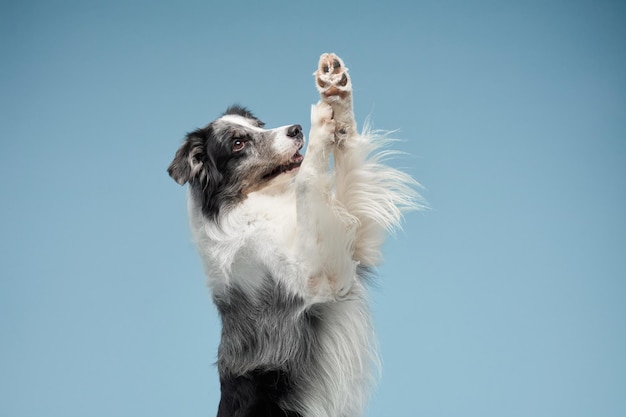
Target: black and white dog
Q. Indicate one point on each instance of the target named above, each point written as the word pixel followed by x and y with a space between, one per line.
pixel 287 244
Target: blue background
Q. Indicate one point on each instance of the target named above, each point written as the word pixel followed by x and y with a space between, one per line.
pixel 506 298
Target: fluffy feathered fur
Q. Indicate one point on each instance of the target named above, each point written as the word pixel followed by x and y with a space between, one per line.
pixel 287 244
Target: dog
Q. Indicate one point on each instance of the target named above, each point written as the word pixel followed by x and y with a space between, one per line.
pixel 288 243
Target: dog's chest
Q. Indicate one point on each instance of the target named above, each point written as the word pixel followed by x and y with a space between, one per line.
pixel 255 240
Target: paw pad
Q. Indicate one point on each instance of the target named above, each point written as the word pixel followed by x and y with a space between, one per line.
pixel 336 65
pixel 332 77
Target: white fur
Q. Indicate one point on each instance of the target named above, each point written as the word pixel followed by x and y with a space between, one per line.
pixel 310 232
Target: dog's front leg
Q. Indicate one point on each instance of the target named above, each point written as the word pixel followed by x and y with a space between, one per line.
pixel 371 192
pixel 325 232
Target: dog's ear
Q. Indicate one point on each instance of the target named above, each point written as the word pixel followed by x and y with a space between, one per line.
pixel 188 160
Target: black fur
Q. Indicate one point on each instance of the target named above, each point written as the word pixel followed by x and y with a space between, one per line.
pixel 279 341
pixel 255 394
pixel 213 185
pixel 208 162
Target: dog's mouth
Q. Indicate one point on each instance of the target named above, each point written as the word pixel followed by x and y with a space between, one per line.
pixel 294 162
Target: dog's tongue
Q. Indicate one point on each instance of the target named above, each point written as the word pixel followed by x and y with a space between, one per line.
pixel 297 158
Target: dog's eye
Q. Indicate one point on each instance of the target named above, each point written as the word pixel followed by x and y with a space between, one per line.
pixel 238 145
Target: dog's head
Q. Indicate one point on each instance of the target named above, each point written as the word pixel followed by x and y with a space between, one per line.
pixel 233 156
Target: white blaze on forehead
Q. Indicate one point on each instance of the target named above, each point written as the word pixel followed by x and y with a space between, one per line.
pixel 250 123
pixel 240 121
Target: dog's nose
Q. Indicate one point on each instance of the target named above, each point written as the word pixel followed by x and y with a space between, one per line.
pixel 294 131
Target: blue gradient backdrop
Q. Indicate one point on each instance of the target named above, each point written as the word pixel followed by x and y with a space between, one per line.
pixel 507 298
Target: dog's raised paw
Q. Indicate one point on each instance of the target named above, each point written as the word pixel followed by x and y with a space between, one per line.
pixel 332 79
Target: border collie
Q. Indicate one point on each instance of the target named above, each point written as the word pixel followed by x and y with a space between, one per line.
pixel 287 243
